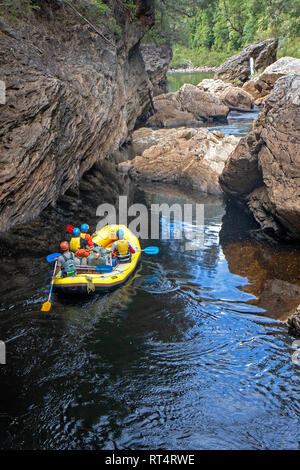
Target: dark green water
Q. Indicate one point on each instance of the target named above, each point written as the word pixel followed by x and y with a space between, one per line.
pixel 188 354
pixel 177 79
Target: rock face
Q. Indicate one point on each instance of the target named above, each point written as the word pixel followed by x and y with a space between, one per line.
pixel 260 86
pixel 234 97
pixel 202 105
pixel 293 323
pixel 264 83
pixel 73 94
pixel 236 69
pixel 250 88
pixel 168 113
pixel 157 60
pixel 264 170
pixel 192 158
pixel 187 107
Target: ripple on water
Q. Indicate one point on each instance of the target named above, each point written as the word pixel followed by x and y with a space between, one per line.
pixel 177 358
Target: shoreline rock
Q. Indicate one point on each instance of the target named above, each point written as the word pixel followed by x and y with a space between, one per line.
pixel 237 69
pixel 293 323
pixel 264 170
pixel 235 98
pixel 187 107
pixel 193 69
pixel 189 157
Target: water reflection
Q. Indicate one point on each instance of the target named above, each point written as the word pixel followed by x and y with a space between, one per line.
pixel 272 269
pixel 183 356
pixel 177 79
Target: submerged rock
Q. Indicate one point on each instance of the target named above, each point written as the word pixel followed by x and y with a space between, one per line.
pixel 192 158
pixel 264 170
pixel 237 70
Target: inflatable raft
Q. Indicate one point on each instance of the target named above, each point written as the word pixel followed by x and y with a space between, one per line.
pixel 87 280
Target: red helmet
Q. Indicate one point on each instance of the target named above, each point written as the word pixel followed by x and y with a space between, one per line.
pixel 64 246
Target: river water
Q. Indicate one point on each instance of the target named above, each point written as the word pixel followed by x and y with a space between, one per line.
pixel 188 354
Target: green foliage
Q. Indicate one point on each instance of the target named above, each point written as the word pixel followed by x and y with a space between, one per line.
pixel 97 7
pixel 206 31
pixel 198 57
pixel 18 8
pixel 98 13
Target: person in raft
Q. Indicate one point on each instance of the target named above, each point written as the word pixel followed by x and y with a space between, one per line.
pixel 83 233
pixel 122 248
pixel 66 261
pixel 79 242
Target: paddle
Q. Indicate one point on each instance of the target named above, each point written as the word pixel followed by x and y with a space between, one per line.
pixel 150 250
pixel 51 258
pixel 47 305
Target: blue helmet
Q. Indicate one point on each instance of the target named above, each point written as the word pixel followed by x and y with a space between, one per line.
pixel 76 232
pixel 120 234
pixel 84 228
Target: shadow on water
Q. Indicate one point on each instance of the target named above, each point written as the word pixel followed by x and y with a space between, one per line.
pixel 188 354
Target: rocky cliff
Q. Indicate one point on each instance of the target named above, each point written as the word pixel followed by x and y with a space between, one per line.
pixel 264 170
pixel 157 60
pixel 73 93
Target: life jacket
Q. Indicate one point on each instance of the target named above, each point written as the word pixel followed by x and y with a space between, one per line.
pixel 123 253
pixel 69 266
pixel 82 253
pixel 87 238
pixel 78 243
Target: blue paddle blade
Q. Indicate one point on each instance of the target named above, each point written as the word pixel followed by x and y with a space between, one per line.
pixel 151 250
pixel 104 268
pixel 51 258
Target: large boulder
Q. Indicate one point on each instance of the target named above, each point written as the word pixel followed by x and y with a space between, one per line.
pixel 202 105
pixel 264 83
pixel 237 69
pixel 234 97
pixel 192 158
pixel 187 107
pixel 250 88
pixel 157 60
pixel 169 113
pixel 260 86
pixel 264 169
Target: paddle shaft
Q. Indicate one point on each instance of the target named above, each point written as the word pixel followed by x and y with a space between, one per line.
pixel 51 286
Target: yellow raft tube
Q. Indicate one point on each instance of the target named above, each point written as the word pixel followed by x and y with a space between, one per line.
pixel 87 280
